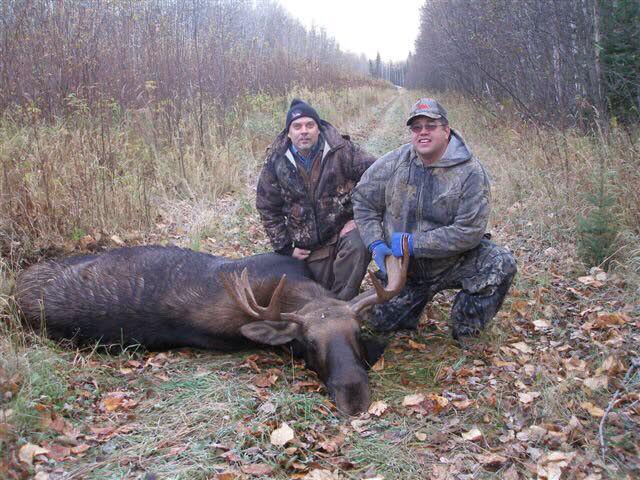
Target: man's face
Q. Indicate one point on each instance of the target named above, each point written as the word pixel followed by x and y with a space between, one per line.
pixel 429 137
pixel 304 133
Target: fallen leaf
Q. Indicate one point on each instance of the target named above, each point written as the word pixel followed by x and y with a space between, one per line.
pixel 319 474
pixel 522 347
pixel 333 444
pixel 359 425
pixel 472 435
pixel 492 460
pixel 462 404
pixel 416 346
pixel 267 408
pixel 257 469
pixel 611 366
pixel 282 435
pixel 29 451
pixel 379 365
pixel 596 383
pixel 411 400
pixel 265 380
pixel 520 306
pixel 421 436
pixel 605 320
pixel 117 240
pixel 541 324
pixel 80 449
pixel 378 408
pixel 593 410
pixel 528 397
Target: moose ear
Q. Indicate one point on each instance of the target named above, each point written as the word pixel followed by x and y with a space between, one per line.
pixel 373 349
pixel 271 332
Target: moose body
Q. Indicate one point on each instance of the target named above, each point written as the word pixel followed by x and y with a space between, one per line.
pixel 168 297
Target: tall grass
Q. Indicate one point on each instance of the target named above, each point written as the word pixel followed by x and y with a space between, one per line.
pixel 116 169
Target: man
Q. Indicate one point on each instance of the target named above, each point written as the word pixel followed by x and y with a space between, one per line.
pixel 436 193
pixel 304 199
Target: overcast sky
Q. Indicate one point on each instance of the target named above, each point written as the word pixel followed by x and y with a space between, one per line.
pixel 364 26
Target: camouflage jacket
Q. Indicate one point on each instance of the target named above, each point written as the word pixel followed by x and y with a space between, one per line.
pixel 290 214
pixel 445 205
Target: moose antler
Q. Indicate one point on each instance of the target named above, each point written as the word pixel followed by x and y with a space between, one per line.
pixel 397 274
pixel 239 288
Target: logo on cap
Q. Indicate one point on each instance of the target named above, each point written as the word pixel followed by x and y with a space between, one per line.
pixel 296 114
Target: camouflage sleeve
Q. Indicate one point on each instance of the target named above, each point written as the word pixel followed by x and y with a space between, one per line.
pixel 361 160
pixel 369 201
pixel 468 227
pixel 269 204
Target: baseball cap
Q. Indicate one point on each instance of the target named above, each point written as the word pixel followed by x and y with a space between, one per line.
pixel 427 107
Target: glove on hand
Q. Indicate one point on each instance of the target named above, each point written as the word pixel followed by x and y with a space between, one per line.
pixel 380 251
pixel 396 243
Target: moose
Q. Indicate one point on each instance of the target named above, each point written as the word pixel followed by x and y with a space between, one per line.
pixel 169 297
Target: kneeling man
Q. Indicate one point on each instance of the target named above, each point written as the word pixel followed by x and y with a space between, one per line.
pixel 436 193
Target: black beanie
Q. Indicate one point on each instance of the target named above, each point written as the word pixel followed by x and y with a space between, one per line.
pixel 299 109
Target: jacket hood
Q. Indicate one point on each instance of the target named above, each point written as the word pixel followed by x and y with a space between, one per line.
pixel 330 133
pixel 456 152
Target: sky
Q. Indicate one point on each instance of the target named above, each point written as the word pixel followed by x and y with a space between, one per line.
pixel 364 26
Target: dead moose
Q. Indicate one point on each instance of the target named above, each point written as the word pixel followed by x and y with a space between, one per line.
pixel 168 297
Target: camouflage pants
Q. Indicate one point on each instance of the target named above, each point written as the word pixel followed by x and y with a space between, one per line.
pixel 341 264
pixel 484 276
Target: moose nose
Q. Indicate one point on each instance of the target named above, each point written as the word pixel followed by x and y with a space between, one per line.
pixel 351 395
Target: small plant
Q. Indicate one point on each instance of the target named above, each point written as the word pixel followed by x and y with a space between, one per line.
pixel 597 231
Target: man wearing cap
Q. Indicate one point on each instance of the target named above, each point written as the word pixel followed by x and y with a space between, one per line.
pixel 304 199
pixel 436 193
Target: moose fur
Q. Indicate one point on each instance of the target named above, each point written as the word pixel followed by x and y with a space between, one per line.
pixel 168 297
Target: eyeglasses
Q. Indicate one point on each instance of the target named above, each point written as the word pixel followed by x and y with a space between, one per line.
pixel 429 127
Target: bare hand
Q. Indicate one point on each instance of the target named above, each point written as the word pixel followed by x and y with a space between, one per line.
pixel 300 253
pixel 350 225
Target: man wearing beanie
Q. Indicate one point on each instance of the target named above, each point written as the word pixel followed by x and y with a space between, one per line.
pixel 304 199
pixel 434 192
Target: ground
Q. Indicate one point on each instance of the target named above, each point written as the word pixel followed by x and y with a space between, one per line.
pixel 548 391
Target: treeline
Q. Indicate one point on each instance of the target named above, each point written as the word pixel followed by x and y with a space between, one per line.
pixel 394 72
pixel 56 54
pixel 563 62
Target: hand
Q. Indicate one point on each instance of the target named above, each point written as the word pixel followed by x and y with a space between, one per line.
pixel 350 225
pixel 380 251
pixel 300 253
pixel 396 243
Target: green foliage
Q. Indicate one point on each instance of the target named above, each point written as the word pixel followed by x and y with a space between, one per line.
pixel 620 54
pixel 597 231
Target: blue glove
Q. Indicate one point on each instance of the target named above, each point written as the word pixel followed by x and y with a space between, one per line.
pixel 396 243
pixel 380 251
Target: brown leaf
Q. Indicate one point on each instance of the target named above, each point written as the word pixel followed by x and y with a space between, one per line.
pixel 472 435
pixel 593 410
pixel 257 469
pixel 265 380
pixel 378 408
pixel 282 435
pixel 522 347
pixel 29 451
pixel 332 445
pixel 319 474
pixel 492 460
pixel 80 449
pixel 528 397
pixel 606 320
pixel 520 306
pixel 462 404
pixel 411 400
pixel 416 346
pixel 379 365
pixel 596 383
